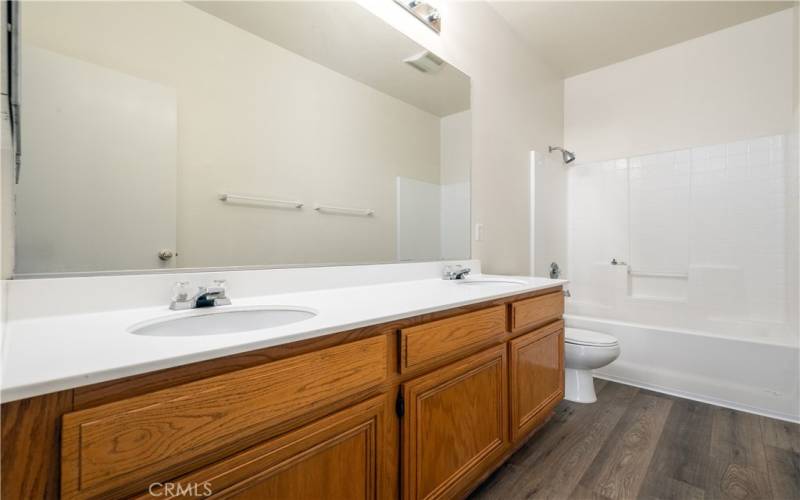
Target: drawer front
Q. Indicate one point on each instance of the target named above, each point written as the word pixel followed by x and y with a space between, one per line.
pixel 122 445
pixel 426 344
pixel 338 456
pixel 537 311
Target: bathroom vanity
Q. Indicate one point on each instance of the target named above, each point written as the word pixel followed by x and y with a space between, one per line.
pixel 311 134
pixel 425 406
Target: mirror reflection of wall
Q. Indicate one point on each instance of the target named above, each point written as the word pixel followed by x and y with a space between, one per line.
pixel 136 116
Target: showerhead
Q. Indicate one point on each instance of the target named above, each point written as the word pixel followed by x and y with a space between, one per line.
pixel 568 156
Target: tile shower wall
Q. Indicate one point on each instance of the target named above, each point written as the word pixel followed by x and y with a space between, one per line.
pixel 705 235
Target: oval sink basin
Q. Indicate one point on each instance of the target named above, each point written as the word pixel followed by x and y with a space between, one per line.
pixel 490 281
pixel 221 321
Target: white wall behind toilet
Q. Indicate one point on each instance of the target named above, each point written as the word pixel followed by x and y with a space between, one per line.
pixel 686 171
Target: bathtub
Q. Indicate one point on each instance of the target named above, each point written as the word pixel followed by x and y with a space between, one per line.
pixel 752 376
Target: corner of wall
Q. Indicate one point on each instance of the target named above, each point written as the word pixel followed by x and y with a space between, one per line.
pixel 517 107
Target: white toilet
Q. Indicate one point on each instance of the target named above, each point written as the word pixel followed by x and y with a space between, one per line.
pixel 585 350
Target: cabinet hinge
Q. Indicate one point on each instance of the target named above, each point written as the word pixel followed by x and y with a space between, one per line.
pixel 400 404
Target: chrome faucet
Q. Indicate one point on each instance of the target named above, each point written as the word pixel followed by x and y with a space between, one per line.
pixel 455 272
pixel 204 297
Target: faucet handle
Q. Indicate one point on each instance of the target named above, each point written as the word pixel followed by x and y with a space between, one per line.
pixel 180 291
pixel 448 270
pixel 455 271
pixel 221 287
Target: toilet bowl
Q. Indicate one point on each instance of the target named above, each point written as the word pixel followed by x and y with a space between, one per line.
pixel 584 351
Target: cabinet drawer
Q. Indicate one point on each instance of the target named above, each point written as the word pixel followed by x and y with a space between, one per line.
pixel 121 446
pixel 338 456
pixel 426 344
pixel 537 311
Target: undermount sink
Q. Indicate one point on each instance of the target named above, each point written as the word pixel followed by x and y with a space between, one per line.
pixel 490 281
pixel 199 322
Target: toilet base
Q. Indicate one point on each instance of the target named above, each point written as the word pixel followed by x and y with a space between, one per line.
pixel 579 386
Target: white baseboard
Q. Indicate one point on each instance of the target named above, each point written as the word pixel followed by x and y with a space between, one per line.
pixel 699 397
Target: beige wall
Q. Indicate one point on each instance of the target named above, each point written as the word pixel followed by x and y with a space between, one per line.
pixel 516 108
pixel 264 123
pixel 729 85
pixel 456 151
pixel 550 213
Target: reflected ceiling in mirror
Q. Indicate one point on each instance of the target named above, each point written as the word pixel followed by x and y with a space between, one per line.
pixel 161 135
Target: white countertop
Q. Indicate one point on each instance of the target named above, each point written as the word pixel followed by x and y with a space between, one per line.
pixel 54 353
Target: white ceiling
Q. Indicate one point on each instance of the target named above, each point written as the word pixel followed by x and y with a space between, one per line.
pixel 350 40
pixel 575 37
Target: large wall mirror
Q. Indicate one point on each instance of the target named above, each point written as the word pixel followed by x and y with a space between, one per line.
pixel 203 134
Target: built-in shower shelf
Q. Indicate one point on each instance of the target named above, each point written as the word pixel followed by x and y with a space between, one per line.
pixel 655 274
pixel 658 286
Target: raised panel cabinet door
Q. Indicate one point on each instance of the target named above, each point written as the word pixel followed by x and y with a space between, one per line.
pixel 337 457
pixel 455 424
pixel 537 377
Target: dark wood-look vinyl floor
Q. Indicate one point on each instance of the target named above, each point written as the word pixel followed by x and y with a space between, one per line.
pixel 638 444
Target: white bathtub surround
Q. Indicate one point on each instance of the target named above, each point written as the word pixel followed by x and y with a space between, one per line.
pixel 687 171
pixel 708 238
pixel 69 332
pixel 755 377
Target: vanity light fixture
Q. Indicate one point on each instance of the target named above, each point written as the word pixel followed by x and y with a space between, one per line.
pixel 423 11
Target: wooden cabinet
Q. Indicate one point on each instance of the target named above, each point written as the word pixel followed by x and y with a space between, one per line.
pixel 313 419
pixel 537 377
pixel 455 425
pixel 337 457
pixel 123 446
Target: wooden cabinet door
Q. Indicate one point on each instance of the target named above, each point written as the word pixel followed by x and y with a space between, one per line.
pixel 455 424
pixel 337 457
pixel 537 377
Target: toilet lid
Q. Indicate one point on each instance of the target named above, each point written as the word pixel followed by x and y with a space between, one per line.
pixel 588 337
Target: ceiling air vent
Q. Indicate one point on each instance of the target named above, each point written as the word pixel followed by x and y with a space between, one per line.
pixel 426 62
